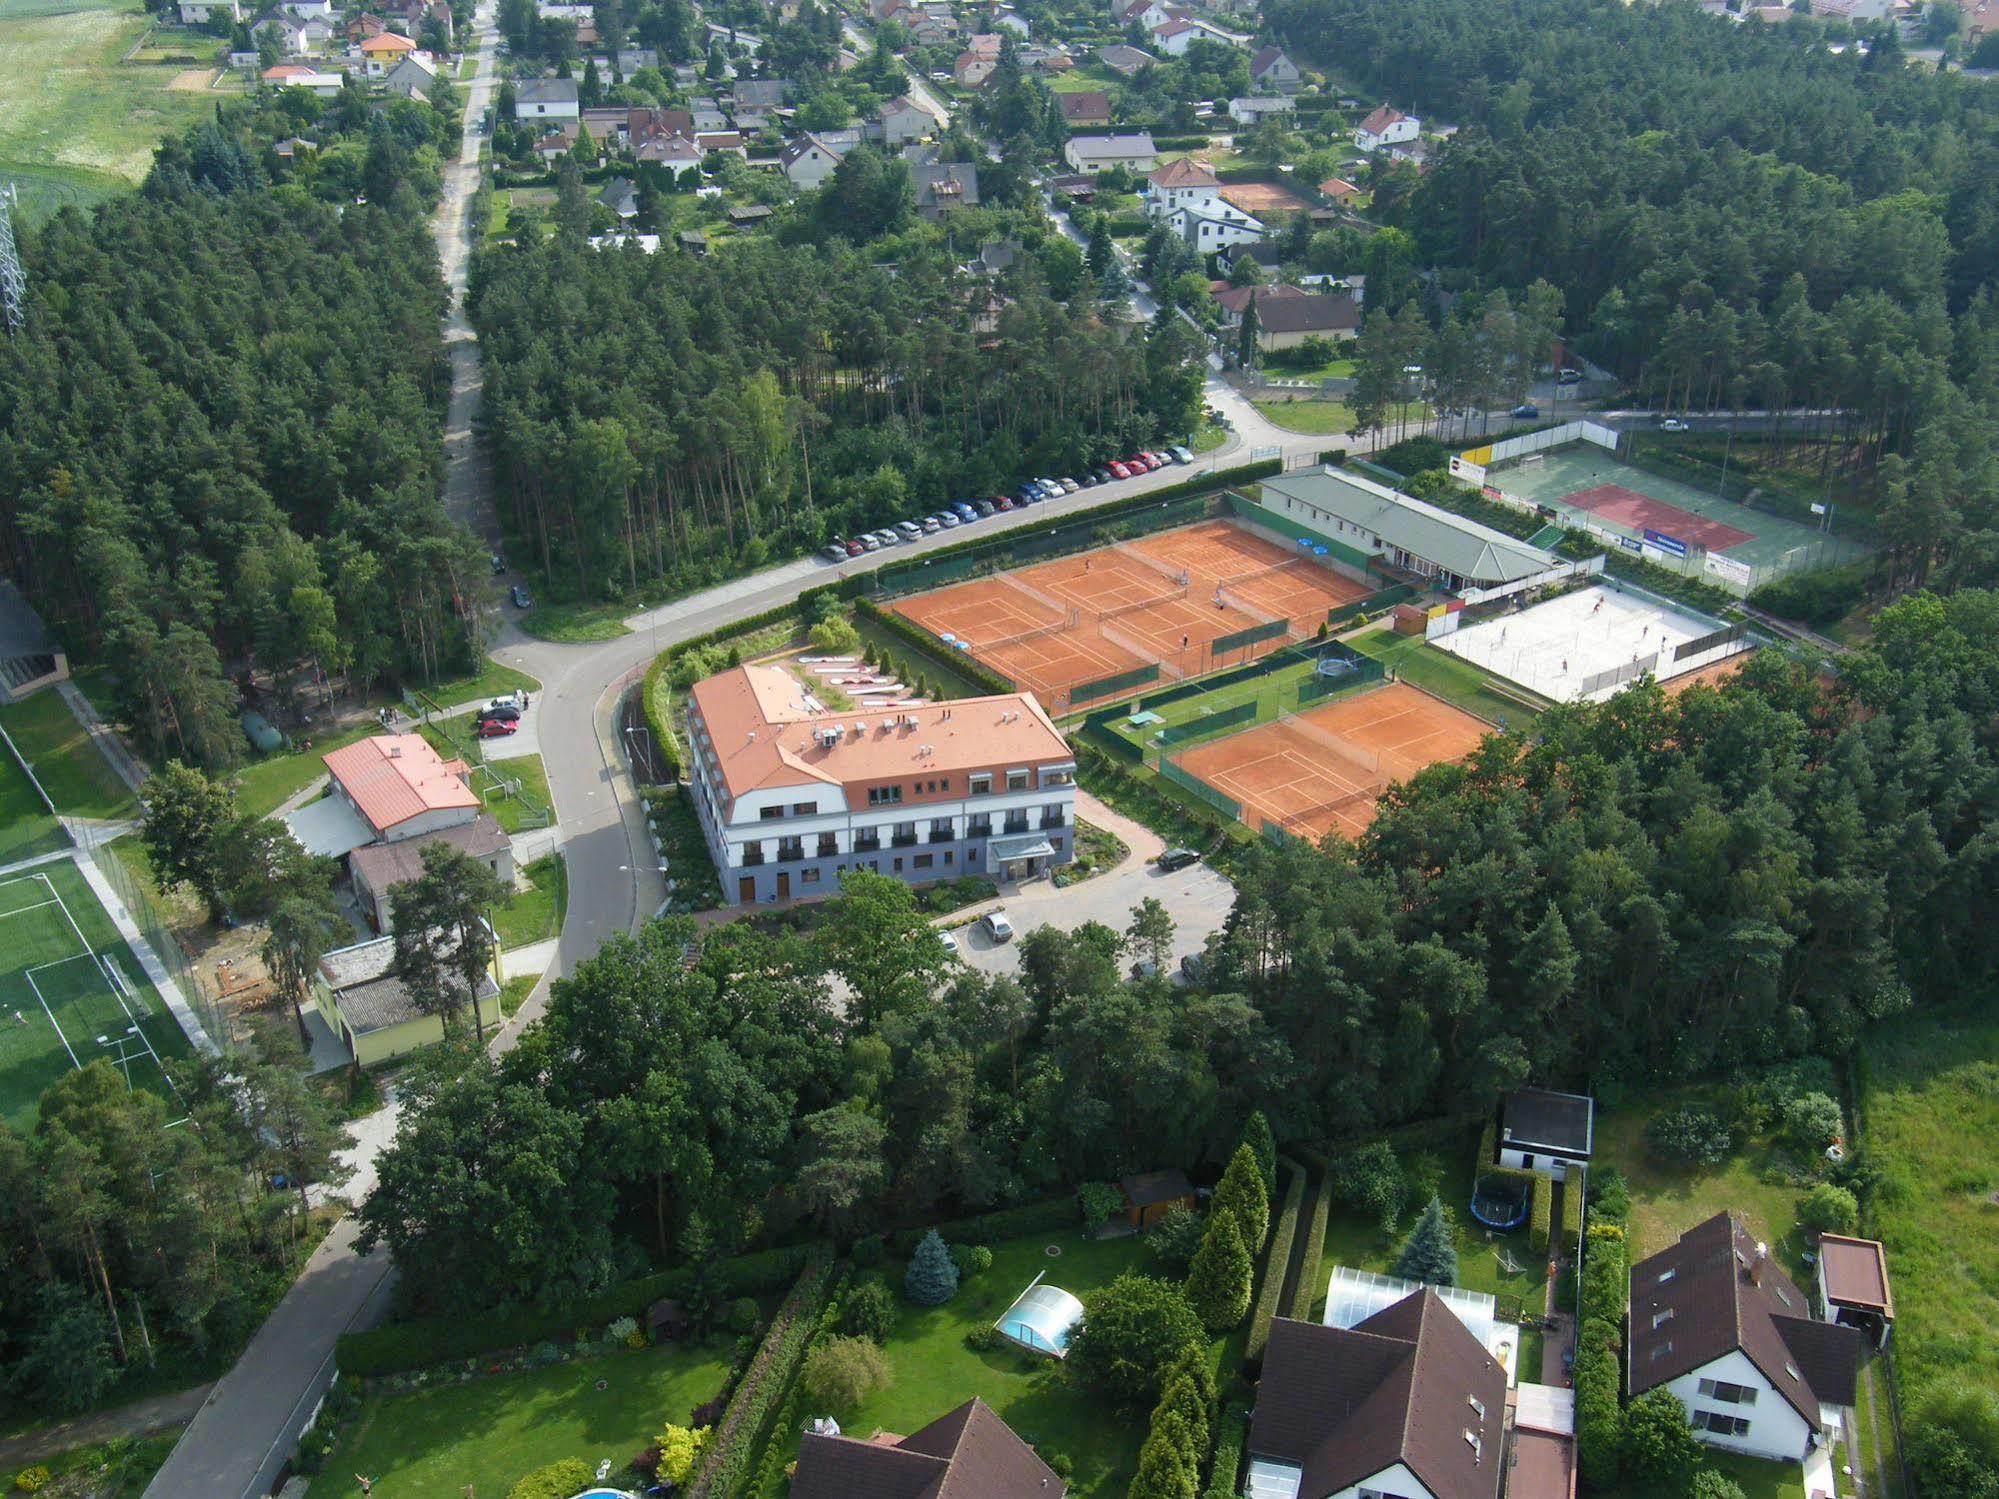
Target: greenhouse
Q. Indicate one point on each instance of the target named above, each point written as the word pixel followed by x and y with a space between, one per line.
pixel 1042 1319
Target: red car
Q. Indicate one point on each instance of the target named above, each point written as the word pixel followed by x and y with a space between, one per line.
pixel 854 549
pixel 496 728
pixel 1121 469
pixel 1001 502
pixel 1150 460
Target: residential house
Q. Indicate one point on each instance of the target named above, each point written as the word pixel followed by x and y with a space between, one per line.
pixel 1050 62
pixel 808 161
pixel 1386 127
pixel 1856 11
pixel 1288 321
pixel 546 99
pixel 362 25
pixel 621 197
pixel 1127 62
pixel 985 44
pixel 1267 257
pixel 380 54
pixel 674 152
pixel 903 120
pixel 357 994
pixel 1151 1195
pixel 413 77
pixel 997 257
pixel 1540 1130
pixel 1005 18
pixel 1099 153
pixel 756 100
pixel 1980 19
pixel 1216 227
pixel 1071 185
pixel 1254 109
pixel 293 147
pixel 693 242
pixel 298 36
pixel 610 124
pixel 301 75
pixel 310 10
pixel 708 115
pixel 1174 36
pixel 198 12
pixel 628 61
pixel 971 1451
pixel 1342 192
pixel 1185 183
pixel 418 15
pixel 790 796
pixel 642 125
pixel 1853 1286
pixel 931 25
pixel 1147 13
pixel 1416 153
pixel 728 142
pixel 377 868
pixel 1085 107
pixel 1407 1401
pixel 386 788
pixel 1717 1323
pixel 1271 72
pixel 749 215
pixel 971 69
pixel 943 187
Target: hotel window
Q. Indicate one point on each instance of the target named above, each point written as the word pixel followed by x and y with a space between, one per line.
pixel 879 796
pixel 981 784
pixel 923 860
pixel 828 845
pixel 770 814
pixel 804 809
pixel 808 876
pixel 1016 780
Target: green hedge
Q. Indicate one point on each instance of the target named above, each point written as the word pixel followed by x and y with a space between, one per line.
pixel 1149 801
pixel 1275 1263
pixel 1231 1432
pixel 790 1413
pixel 1599 1420
pixel 656 702
pixel 760 1393
pixel 1572 1211
pixel 924 643
pixel 1306 1291
pixel 1488 1149
pixel 1048 1216
pixel 1540 1210
pixel 421 1343
pixel 1179 142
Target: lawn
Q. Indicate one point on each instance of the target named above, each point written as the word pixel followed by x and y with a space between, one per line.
pixel 933 1371
pixel 267 783
pixel 1327 418
pixel 1758 1479
pixel 1421 664
pixel 26 826
pixel 76 123
pixel 683 849
pixel 490 680
pixel 69 765
pixel 575 624
pixel 1339 367
pixel 535 913
pixel 1091 76
pixel 1930 1113
pixel 531 808
pixel 482 1436
pixel 1273 694
pixel 1207 437
pixel 1668 1198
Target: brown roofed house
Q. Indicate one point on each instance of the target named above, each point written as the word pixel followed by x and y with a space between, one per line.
pixel 1714 1320
pixel 1405 1401
pixel 1853 1286
pixel 1085 107
pixel 969 1454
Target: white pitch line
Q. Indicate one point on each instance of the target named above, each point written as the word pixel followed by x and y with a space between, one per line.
pixel 52 1021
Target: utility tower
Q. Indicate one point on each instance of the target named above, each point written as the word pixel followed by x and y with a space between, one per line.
pixel 13 281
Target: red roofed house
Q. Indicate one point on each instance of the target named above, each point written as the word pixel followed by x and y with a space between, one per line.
pixel 1386 127
pixel 1339 190
pixel 970 1452
pixel 392 795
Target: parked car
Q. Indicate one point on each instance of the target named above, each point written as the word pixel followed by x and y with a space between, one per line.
pixel 1182 454
pixel 871 544
pixel 931 525
pixel 1672 424
pixel 1089 479
pixel 836 552
pixel 964 511
pixel 1178 858
pixel 854 549
pixel 910 529
pixel 495 728
pixel 521 597
pixel 949 943
pixel 1069 486
pixel 1568 377
pixel 499 564
pixel 1120 469
pixel 984 507
pixel 1194 968
pixel 887 537
pixel 948 518
pixel 997 926
pixel 499 707
pixel 1525 412
pixel 1101 474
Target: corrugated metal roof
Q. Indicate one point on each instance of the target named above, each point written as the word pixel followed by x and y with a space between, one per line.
pixel 1476 553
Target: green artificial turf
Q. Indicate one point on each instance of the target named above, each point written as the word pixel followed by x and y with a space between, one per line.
pixel 74 772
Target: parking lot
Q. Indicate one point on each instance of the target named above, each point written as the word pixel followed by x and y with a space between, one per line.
pixel 1197 898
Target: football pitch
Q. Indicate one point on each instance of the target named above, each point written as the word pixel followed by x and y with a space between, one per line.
pixel 71 992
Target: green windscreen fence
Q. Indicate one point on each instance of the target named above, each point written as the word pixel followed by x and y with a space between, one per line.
pixel 1024 544
pixel 1124 681
pixel 1374 603
pixel 1254 635
pixel 1320 685
pixel 1209 724
pixel 1273 834
pixel 1200 788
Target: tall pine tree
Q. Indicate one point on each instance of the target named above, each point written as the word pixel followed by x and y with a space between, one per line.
pixel 1218 1281
pixel 1240 1191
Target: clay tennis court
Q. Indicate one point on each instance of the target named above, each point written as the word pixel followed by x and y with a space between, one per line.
pixel 1322 771
pixel 1164 599
pixel 1641 512
pixel 1260 198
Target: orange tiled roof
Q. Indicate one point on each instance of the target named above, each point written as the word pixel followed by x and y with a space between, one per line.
pixel 391 778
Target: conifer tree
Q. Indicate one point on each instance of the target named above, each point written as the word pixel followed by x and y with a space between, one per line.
pixel 1428 1254
pixel 932 1278
pixel 1263 1145
pixel 1218 1281
pixel 1241 1192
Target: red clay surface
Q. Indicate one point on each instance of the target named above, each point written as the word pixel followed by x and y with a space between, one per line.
pixel 1160 599
pixel 1714 671
pixel 1643 513
pixel 1322 770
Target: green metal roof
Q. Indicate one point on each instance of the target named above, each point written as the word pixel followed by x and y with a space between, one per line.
pixel 1478 554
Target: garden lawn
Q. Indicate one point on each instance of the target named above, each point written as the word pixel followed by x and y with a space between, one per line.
pixel 77 777
pixel 265 784
pixel 934 1372
pixel 1327 418
pixel 575 624
pixel 490 680
pixel 1930 1111
pixel 484 1435
pixel 1667 1198
pixel 1206 438
pixel 535 913
pixel 26 827
pixel 1758 1479
pixel 531 808
pixel 1421 664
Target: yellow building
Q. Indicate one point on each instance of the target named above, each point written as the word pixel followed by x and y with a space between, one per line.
pixel 357 993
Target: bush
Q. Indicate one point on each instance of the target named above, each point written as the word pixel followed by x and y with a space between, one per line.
pixel 1693 1136
pixel 767 1380
pixel 971 1259
pixel 1097 1201
pixel 1659 1446
pixel 835 636
pixel 1605 1283
pixel 1131 1329
pixel 743 1316
pixel 867 1252
pixel 558 1480
pixel 842 1372
pixel 1275 1263
pixel 1599 1421
pixel 1812 1121
pixel 984 1338
pixel 678 1450
pixel 1609 1197
pixel 1173 1240
pixel 1047 1216
pixel 869 1310
pixel 1307 1289
pixel 1572 1212
pixel 621 1329
pixel 1709 1484
pixel 31 1480
pixel 1823 597
pixel 1371 1179
pixel 1827 1209
pixel 1220 1275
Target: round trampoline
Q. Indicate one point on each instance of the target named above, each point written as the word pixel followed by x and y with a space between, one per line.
pixel 1499 1201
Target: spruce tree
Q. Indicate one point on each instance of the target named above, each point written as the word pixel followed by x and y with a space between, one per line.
pixel 1218 1282
pixel 1263 1145
pixel 1241 1192
pixel 932 1278
pixel 1428 1254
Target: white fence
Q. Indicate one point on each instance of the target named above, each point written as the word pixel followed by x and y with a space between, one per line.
pixel 1585 569
pixel 1554 437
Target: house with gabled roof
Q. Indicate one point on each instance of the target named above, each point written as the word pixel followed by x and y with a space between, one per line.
pixel 1084 107
pixel 1272 72
pixel 546 99
pixel 968 1454
pixel 1716 1322
pixel 808 161
pixel 381 53
pixel 1127 61
pixel 1405 1402
pixel 1386 127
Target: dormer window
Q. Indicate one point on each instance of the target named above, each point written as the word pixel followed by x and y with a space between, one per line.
pixel 1661 1317
pixel 1477 1405
pixel 1666 1275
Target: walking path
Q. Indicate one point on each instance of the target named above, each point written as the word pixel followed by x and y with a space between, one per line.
pixel 140 1418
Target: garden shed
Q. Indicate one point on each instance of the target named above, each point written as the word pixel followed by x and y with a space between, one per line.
pixel 1150 1195
pixel 667 1321
pixel 1041 1319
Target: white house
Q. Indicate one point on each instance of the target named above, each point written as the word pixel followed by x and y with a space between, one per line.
pixel 546 99
pixel 789 795
pixel 1207 230
pixel 903 120
pixel 1386 127
pixel 1544 1131
pixel 1716 1322
pixel 301 75
pixel 1004 19
pixel 1271 71
pixel 1099 153
pixel 808 161
pixel 412 77
pixel 298 36
pixel 1185 183
pixel 1251 110
pixel 197 12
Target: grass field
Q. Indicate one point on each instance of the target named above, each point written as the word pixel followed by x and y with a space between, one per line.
pixel 1275 693
pixel 535 913
pixel 933 1371
pixel 77 124
pixel 264 785
pixel 532 808
pixel 1416 661
pixel 1327 418
pixel 575 624
pixel 55 997
pixel 77 777
pixel 482 1436
pixel 1930 1111
pixel 26 826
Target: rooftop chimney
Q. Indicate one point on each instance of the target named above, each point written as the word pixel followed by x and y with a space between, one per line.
pixel 1756 1265
pixel 395 752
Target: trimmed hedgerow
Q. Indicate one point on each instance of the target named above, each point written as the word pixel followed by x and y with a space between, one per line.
pixel 1052 1215
pixel 791 1413
pixel 1230 1434
pixel 1572 1214
pixel 1275 1262
pixel 1306 1291
pixel 924 643
pixel 1540 1211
